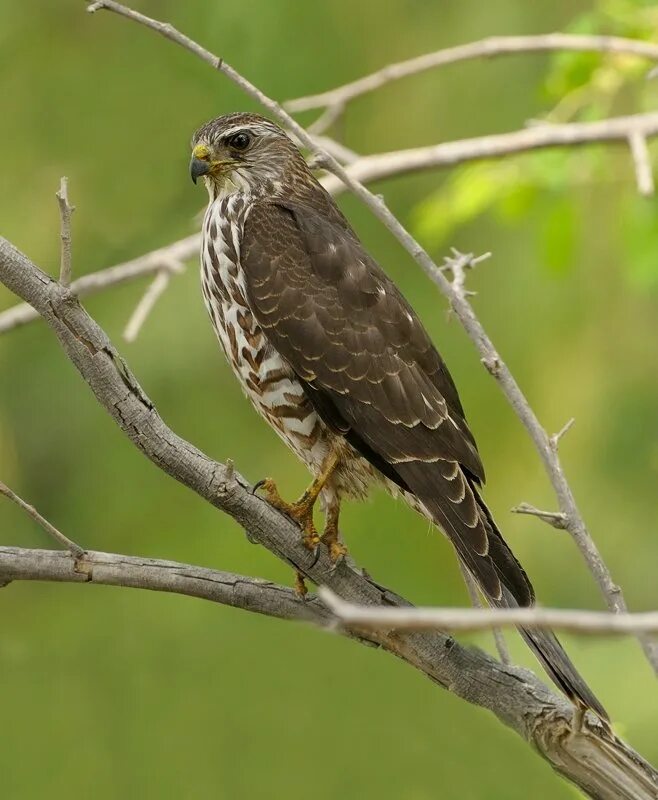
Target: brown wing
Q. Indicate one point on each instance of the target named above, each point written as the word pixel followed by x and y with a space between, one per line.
pixel 372 373
pixel 369 367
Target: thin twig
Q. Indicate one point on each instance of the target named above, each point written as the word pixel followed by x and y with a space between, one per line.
pixel 463 310
pixel 642 162
pixel 344 154
pixel 148 300
pixel 476 602
pixel 484 48
pixel 483 619
pixel 554 518
pixel 556 437
pixel 330 115
pixel 147 264
pixel 75 549
pixel 65 211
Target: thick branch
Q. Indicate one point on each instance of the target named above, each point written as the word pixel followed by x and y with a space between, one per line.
pixel 600 764
pixel 484 48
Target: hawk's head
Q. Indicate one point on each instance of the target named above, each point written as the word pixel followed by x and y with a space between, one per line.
pixel 243 152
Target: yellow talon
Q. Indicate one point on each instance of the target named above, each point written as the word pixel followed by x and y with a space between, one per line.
pixel 300 586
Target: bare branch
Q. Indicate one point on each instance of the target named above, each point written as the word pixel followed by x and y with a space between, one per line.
pixel 330 115
pixel 457 264
pixel 338 150
pixel 557 519
pixel 65 211
pixel 556 437
pixel 150 297
pixel 543 135
pixel 70 545
pixel 148 264
pixel 484 48
pixel 642 162
pixel 110 569
pixel 483 619
pixel 460 305
pixel 367 169
pixel 598 762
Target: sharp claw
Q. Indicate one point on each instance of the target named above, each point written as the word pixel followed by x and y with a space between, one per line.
pixel 258 485
pixel 337 561
pixel 316 556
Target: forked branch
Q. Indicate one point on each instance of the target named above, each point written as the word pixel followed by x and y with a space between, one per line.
pixel 601 764
pixel 463 310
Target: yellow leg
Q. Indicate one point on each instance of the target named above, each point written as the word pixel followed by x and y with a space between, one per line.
pixel 337 550
pixel 300 585
pixel 302 510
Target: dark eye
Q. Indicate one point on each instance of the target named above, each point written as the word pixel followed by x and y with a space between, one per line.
pixel 239 141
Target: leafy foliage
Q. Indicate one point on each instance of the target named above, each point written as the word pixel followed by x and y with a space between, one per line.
pixel 545 190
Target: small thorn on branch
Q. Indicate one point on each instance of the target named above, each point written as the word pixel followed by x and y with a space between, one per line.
pixel 557 519
pixel 76 551
pixel 97 6
pixel 65 211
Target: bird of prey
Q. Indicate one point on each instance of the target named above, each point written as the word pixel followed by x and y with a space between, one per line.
pixel 332 355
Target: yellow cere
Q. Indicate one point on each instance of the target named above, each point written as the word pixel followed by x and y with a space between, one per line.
pixel 201 152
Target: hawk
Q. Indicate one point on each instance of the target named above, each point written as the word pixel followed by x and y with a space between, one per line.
pixel 332 355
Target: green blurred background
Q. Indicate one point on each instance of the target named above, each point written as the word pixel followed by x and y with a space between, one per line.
pixel 111 693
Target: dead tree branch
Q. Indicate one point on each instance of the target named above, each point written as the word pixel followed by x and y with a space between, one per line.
pixel 65 211
pixel 50 529
pixel 337 99
pixel 600 763
pixel 574 521
pixel 633 129
pixel 110 569
pixel 484 619
pixel 627 130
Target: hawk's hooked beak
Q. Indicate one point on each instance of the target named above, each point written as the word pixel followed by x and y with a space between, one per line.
pixel 200 163
pixel 198 167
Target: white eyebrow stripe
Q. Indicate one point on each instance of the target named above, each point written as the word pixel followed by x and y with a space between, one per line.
pixel 249 127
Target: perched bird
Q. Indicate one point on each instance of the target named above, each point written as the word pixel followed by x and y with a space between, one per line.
pixel 335 359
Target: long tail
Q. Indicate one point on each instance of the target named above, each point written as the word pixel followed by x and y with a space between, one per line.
pixel 456 507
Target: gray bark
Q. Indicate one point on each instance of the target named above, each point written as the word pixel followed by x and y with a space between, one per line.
pixel 601 764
